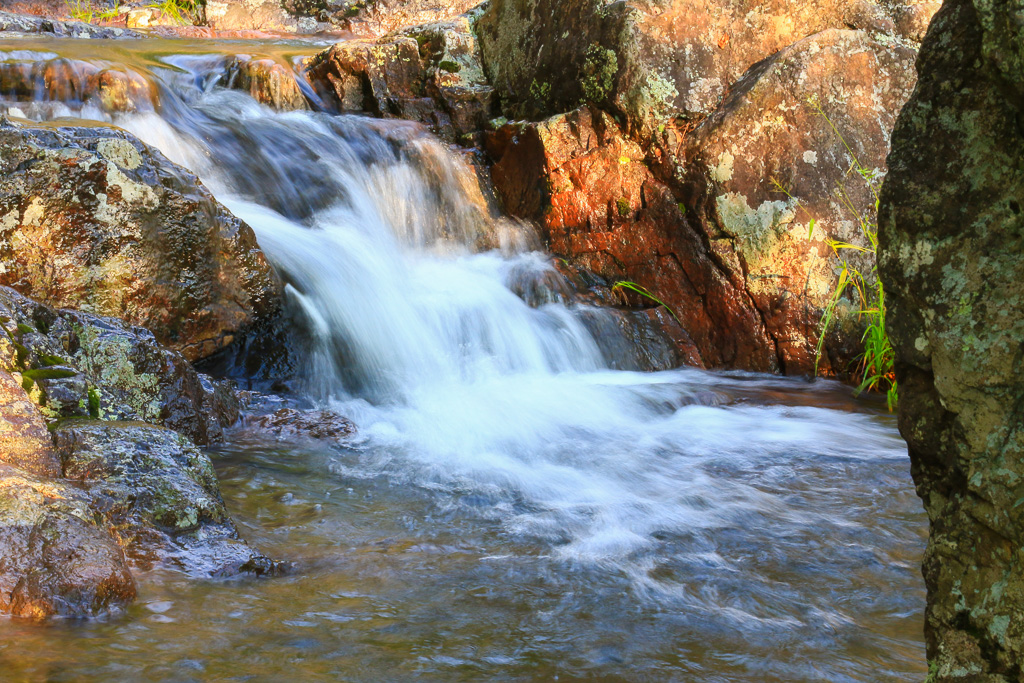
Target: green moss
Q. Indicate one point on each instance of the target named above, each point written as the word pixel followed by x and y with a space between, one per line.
pixel 599 71
pixel 449 66
pixel 30 377
pixel 25 329
pixel 94 403
pixel 623 206
pixel 47 360
pixel 22 353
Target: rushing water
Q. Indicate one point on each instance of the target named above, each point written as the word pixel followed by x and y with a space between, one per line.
pixel 511 509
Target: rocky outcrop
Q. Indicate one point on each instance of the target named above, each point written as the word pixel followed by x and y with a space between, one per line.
pixel 651 60
pixel 952 239
pixel 701 217
pixel 93 219
pixel 431 74
pixel 255 15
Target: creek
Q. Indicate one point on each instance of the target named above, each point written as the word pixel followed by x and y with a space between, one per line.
pixel 520 503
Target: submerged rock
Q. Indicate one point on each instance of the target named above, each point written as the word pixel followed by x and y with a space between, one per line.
pixel 77 82
pixel 56 559
pixel 266 80
pixel 952 259
pixel 289 423
pixel 93 219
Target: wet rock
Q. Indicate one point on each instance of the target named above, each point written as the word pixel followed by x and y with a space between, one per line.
pixel 650 61
pixel 431 74
pixel 93 219
pixel 24 441
pixel 21 23
pixel 55 557
pixel 78 365
pixel 952 240
pixel 268 81
pixel 76 82
pixel 289 423
pixel 160 493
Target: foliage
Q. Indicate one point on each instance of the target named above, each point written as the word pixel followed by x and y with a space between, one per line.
pixel 876 371
pixel 84 10
pixel 181 11
pixel 644 292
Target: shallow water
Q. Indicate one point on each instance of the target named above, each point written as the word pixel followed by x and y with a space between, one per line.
pixel 511 509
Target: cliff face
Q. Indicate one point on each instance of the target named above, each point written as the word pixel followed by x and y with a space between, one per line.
pixel 952 260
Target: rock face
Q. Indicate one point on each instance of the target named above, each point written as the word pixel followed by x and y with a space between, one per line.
pixel 952 239
pixel 254 15
pixel 24 440
pixel 697 217
pixel 93 219
pixel 653 58
pixel 431 74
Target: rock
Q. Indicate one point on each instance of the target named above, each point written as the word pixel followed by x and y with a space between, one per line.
pixel 258 15
pixel 79 365
pixel 696 217
pixel 268 81
pixel 652 60
pixel 952 255
pixel 796 121
pixel 431 74
pixel 55 559
pixel 289 423
pixel 24 441
pixel 600 206
pixel 161 495
pixel 375 18
pixel 75 81
pixel 21 23
pixel 93 219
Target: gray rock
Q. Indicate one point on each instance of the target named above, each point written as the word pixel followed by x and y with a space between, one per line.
pixel 952 259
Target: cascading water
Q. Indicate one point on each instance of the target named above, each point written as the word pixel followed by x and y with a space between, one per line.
pixel 551 516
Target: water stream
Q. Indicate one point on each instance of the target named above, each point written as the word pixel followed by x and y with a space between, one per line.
pixel 512 508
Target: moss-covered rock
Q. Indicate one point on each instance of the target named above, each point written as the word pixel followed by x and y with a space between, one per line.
pixel 93 219
pixel 952 259
pixel 79 365
pixel 159 493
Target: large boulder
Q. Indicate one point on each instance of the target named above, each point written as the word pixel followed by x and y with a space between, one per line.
pixel 650 59
pixel 698 217
pixel 93 219
pixel 785 149
pixel 952 259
